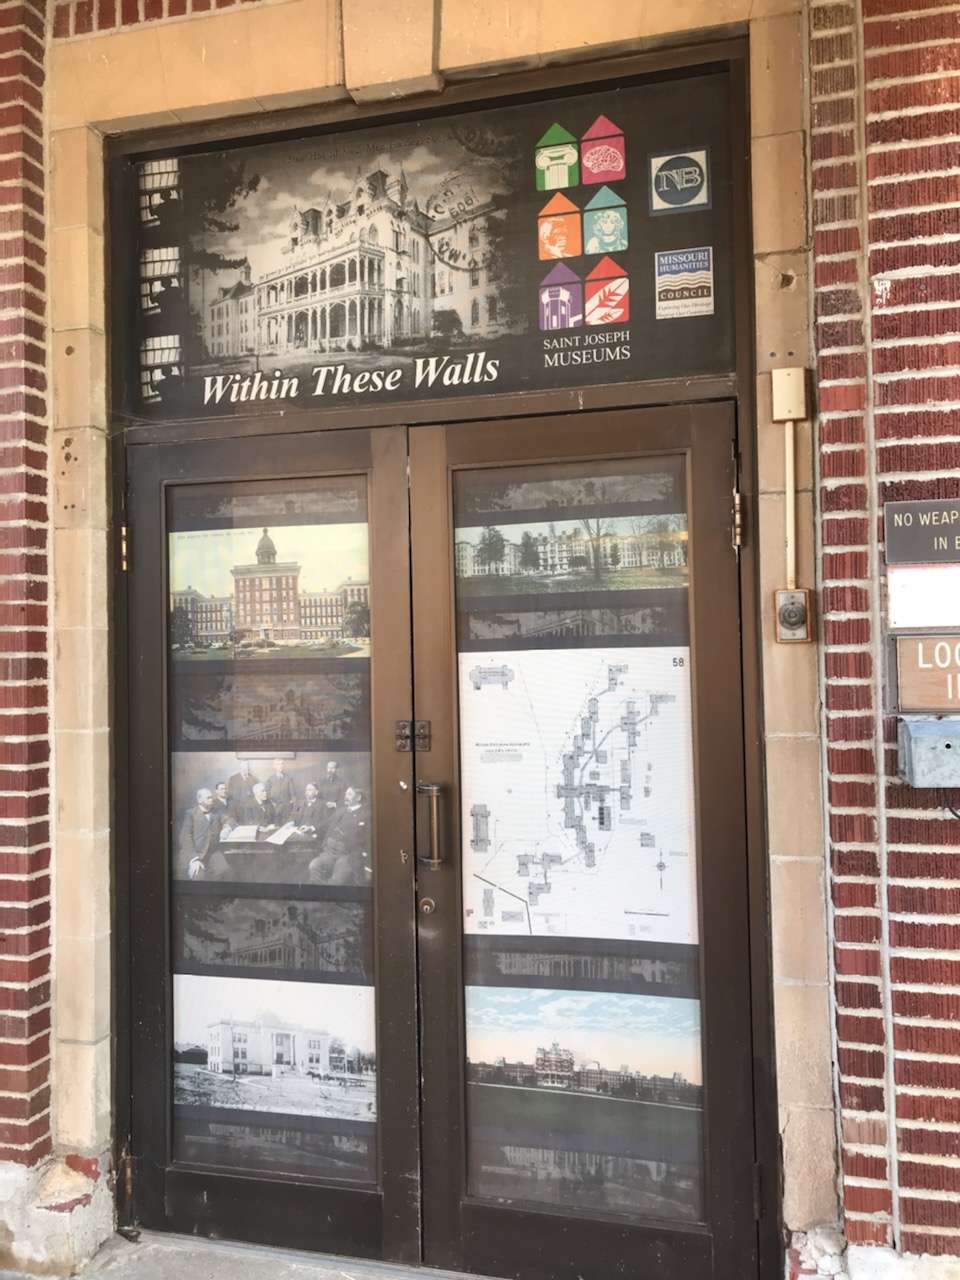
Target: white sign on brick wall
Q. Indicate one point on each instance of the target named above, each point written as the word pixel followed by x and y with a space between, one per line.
pixel 923 595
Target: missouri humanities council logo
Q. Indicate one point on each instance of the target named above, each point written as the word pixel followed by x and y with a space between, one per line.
pixel 684 279
pixel 679 181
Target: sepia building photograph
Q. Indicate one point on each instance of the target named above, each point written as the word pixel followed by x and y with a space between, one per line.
pixel 266 603
pixel 360 272
pixel 265 1061
pixel 630 553
pixel 223 933
pixel 380 261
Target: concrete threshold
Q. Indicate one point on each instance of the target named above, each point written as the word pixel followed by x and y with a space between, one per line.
pixel 156 1256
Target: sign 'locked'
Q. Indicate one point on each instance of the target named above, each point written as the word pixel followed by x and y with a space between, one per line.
pixel 929 673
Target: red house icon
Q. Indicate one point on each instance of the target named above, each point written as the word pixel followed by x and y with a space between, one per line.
pixel 603 153
pixel 607 294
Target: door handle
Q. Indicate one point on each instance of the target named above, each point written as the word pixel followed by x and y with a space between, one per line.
pixel 432 791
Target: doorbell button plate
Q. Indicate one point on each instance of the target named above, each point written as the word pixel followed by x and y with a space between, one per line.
pixel 792 610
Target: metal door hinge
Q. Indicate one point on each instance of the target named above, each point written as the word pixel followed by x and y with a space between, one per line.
pixel 758 1192
pixel 125 1175
pixel 124 549
pixel 737 520
pixel 412 734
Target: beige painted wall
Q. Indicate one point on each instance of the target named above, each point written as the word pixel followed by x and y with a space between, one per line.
pixel 300 52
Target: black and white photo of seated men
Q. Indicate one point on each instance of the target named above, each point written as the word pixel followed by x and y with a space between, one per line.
pixel 291 818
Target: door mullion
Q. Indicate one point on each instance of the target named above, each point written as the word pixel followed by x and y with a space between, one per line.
pixel 393 784
pixel 438 889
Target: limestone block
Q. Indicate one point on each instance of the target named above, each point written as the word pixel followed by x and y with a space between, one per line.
pixel 81 571
pixel 82 886
pixel 81 680
pixel 782 300
pixel 296 54
pixel 779 193
pixel 772 555
pixel 83 987
pixel 390 51
pixel 83 780
pixel 497 32
pixel 79 378
pixel 802 1018
pixel 808 1140
pixel 198 70
pixel 791 694
pixel 790 673
pixel 81 492
pixel 794 796
pixel 798 920
pixel 76 279
pixel 76 175
pixel 166 74
pixel 509 31
pixel 777 103
pixel 107 78
pixel 82 1103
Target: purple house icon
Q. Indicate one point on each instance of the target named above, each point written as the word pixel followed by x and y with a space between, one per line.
pixel 561 299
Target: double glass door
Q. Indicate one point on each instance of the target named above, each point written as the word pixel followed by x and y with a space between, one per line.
pixel 437 875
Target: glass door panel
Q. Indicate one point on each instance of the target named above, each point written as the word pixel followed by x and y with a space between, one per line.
pixel 273 967
pixel 579 861
pixel 274 1035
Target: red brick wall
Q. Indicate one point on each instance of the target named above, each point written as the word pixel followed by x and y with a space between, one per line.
pixel 24 737
pixel 885 153
pixel 86 17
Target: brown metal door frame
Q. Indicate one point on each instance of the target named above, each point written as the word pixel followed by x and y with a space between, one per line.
pixel 434 451
pixel 545 1246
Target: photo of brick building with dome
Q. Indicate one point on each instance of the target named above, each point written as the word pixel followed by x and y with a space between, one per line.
pixel 307 596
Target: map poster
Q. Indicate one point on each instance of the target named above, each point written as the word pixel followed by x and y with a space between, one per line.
pixel 505 249
pixel 577 794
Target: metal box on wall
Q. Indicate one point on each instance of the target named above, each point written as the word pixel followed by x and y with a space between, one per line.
pixel 928 751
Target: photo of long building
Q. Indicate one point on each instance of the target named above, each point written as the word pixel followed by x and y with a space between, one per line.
pixel 555 1067
pixel 618 552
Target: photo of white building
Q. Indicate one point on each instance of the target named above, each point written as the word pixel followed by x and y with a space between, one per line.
pixel 621 552
pixel 363 269
pixel 298 1048
pixel 259 1047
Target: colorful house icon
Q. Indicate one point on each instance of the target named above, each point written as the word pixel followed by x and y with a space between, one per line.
pixel 557 159
pixel 561 299
pixel 603 153
pixel 607 294
pixel 605 223
pixel 558 229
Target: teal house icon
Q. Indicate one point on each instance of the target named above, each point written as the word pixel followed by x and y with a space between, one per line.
pixel 605 223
